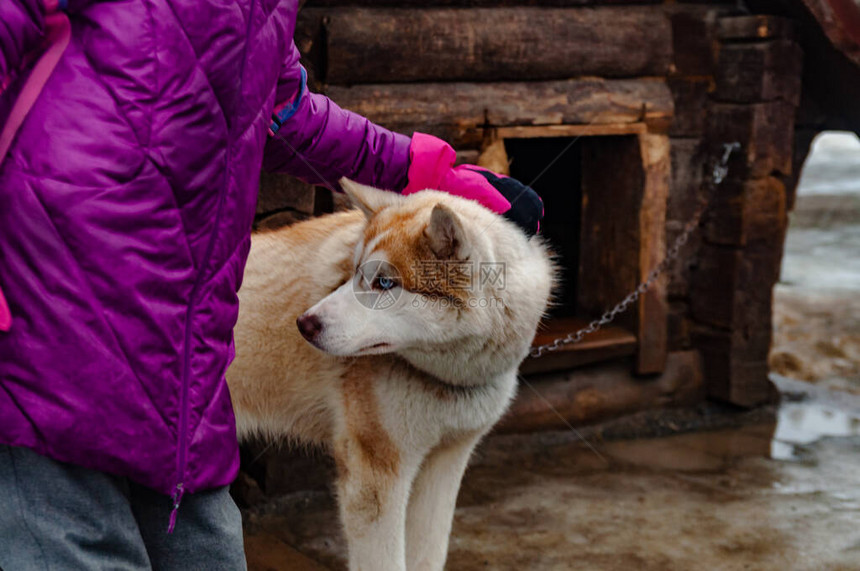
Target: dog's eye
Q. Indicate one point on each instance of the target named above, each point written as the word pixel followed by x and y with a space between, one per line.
pixel 384 282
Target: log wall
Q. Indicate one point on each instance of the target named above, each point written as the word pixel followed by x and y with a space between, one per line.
pixel 693 74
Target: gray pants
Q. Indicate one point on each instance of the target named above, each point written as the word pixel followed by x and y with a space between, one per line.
pixel 59 516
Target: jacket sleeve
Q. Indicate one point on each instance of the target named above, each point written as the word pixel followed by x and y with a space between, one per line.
pixel 22 26
pixel 312 138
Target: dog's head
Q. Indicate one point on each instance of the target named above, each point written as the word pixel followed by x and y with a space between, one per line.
pixel 435 276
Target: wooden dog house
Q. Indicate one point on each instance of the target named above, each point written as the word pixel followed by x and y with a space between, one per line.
pixel 616 111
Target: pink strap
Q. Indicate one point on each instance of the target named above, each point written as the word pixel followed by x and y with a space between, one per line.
pixel 58 32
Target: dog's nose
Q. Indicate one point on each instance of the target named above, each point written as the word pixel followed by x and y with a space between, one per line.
pixel 309 326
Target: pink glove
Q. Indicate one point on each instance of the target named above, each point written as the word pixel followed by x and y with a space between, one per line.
pixel 5 314
pixel 432 166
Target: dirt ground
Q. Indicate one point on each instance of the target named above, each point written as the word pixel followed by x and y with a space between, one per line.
pixel 817 302
pixel 777 491
pixel 817 339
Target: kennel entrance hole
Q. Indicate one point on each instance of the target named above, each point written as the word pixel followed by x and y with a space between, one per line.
pixel 552 166
pixel 594 191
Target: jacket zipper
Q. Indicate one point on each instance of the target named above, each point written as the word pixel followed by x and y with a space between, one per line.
pixel 182 435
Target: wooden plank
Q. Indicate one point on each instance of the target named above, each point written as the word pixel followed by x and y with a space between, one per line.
pixel 570 131
pixel 587 396
pixel 607 343
pixel 653 305
pixel 612 186
pixel 380 45
pixel 458 112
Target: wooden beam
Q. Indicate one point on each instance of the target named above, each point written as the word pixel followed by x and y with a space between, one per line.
pixel 458 112
pixel 587 396
pixel 653 306
pixel 570 131
pixel 374 45
pixel 607 343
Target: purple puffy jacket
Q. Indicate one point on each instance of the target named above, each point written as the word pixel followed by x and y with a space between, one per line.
pixel 126 204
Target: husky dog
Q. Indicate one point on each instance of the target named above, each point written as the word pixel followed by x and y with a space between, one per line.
pixel 413 316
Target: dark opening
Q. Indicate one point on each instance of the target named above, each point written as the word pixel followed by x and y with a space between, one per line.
pixel 553 167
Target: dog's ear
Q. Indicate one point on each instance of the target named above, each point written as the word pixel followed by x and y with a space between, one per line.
pixel 445 234
pixel 368 199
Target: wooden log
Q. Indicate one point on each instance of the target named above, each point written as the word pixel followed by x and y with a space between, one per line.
pixel 762 71
pixel 686 194
pixel 754 27
pixel 678 274
pixel 765 132
pixel 686 190
pixel 731 288
pixel 570 131
pixel 458 112
pixel 694 40
pixel 735 365
pixel 367 45
pixel 587 396
pixel 280 191
pixel 713 284
pixel 690 98
pixel 743 213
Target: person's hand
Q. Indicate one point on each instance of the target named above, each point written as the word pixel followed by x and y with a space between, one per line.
pixel 432 166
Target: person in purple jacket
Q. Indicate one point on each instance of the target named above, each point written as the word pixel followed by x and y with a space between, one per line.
pixel 126 202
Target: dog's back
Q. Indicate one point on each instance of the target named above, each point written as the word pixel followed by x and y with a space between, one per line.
pixel 280 384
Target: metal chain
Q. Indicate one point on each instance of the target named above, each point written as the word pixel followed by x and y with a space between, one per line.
pixel 721 169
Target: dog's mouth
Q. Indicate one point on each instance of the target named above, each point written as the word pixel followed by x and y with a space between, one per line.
pixel 375 348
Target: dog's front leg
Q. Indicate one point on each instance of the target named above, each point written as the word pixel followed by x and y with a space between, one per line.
pixel 373 492
pixel 431 507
